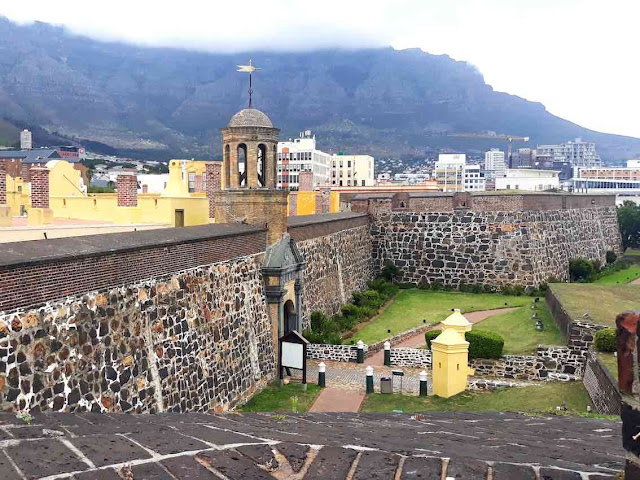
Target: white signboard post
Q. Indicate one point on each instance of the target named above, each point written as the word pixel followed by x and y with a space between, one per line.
pixel 293 354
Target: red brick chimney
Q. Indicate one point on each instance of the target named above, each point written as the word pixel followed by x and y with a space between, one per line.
pixel 305 181
pixel 127 188
pixel 3 183
pixel 213 184
pixel 39 177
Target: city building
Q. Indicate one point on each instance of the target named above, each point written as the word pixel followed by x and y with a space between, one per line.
pixel 494 165
pixel 577 153
pixel 473 179
pixel 522 158
pixel 449 171
pixel 623 181
pixel 528 179
pixel 352 170
pixel 25 140
pixel 300 155
pixel 452 174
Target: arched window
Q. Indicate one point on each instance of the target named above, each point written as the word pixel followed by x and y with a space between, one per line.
pixel 227 166
pixel 261 164
pixel 242 165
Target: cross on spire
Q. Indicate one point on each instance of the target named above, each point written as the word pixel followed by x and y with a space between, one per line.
pixel 249 69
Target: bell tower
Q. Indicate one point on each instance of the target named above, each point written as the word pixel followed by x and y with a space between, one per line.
pixel 249 169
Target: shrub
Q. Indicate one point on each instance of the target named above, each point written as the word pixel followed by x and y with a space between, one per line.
pixel 477 288
pixel 424 285
pixel 389 271
pixel 580 269
pixel 484 344
pixel 597 266
pixel 611 257
pixel 384 288
pixel 351 311
pixel 430 335
pixel 605 340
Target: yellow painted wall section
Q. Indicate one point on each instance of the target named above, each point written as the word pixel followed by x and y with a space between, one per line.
pixel 334 202
pixel 151 209
pixel 64 180
pixel 18 193
pixel 306 203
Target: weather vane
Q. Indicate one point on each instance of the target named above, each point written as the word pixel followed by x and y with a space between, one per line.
pixel 250 69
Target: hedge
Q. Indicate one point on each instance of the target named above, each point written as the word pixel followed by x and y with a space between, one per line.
pixel 482 343
pixel 605 340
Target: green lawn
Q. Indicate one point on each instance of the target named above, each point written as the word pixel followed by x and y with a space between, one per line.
pixel 620 277
pixel 602 302
pixel 536 398
pixel 610 361
pixel 275 398
pixel 518 329
pixel 412 306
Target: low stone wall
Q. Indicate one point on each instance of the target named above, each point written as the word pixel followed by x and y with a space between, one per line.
pixel 549 363
pixel 411 357
pixel 484 384
pixel 333 353
pixel 601 386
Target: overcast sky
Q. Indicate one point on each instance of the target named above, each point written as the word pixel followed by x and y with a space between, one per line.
pixel 581 58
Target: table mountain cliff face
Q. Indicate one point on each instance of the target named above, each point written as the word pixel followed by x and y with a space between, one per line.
pixel 153 101
pixel 466 446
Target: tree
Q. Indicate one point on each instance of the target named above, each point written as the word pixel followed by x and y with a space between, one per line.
pixel 629 220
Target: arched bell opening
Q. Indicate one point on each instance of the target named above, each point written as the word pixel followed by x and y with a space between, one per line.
pixel 226 165
pixel 242 165
pixel 261 165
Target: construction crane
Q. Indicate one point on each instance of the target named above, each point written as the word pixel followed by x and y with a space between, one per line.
pixel 509 138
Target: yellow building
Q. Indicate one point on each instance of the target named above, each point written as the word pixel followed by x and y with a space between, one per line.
pixel 450 357
pixel 183 202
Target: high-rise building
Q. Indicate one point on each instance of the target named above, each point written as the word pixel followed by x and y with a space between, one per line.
pixel 577 153
pixel 494 164
pixel 352 170
pixel 25 140
pixel 449 171
pixel 473 179
pixel 454 175
pixel 301 155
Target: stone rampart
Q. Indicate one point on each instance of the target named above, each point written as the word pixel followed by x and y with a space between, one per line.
pixel 195 340
pixel 601 386
pixel 337 265
pixel 494 248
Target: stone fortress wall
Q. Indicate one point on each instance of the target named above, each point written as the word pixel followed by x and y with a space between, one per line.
pixel 338 261
pixel 488 239
pixel 169 320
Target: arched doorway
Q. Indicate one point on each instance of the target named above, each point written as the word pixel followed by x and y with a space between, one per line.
pixel 290 317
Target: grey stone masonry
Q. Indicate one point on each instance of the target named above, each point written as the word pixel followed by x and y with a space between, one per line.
pixel 335 353
pixel 601 386
pixel 493 248
pixel 410 357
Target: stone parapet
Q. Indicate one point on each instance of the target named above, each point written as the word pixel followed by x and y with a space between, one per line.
pixel 601 386
pixel 333 353
pixel 410 357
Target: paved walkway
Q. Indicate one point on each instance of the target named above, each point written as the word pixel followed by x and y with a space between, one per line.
pixel 417 340
pixel 338 400
pixel 636 282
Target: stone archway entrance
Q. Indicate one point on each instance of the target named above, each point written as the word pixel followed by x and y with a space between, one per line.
pixel 290 317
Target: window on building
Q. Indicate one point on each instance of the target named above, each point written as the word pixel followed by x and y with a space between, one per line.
pixel 363 183
pixel 192 182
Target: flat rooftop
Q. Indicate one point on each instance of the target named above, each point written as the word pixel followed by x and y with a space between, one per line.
pixel 201 446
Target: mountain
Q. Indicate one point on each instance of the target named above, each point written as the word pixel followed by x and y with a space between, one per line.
pixel 159 102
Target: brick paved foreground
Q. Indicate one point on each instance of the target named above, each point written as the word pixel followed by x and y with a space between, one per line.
pixel 308 446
